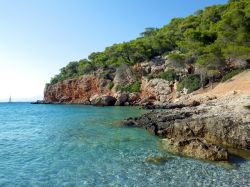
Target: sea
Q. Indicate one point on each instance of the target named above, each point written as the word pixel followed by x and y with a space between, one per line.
pixel 77 145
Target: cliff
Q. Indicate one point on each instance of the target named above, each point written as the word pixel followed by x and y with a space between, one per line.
pixel 79 90
pixel 127 85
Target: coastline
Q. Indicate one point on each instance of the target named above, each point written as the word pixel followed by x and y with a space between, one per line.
pixel 202 125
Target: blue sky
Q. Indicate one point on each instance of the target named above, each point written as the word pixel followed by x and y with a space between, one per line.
pixel 37 38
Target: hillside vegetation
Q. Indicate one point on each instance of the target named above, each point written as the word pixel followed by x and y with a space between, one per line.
pixel 208 40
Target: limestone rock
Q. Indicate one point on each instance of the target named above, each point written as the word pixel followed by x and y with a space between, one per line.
pixel 124 75
pixel 156 89
pixel 134 98
pixel 122 98
pixel 224 122
pixel 78 90
pixel 195 147
pixel 104 101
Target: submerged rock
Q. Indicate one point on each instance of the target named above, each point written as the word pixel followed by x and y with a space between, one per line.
pixel 157 159
pixel 195 147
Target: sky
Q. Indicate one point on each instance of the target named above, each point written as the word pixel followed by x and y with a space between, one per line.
pixel 37 38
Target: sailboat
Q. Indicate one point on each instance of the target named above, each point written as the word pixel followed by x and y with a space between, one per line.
pixel 10 99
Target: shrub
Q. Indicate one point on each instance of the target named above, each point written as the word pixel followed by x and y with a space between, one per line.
pixel 169 75
pixel 134 87
pixel 177 60
pixel 230 75
pixel 110 85
pixel 191 82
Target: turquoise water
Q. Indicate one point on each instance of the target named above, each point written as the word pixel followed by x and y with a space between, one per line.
pixel 71 145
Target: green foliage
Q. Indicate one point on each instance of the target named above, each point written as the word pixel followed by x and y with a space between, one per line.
pixel 191 82
pixel 73 70
pixel 211 62
pixel 169 75
pixel 107 74
pixel 110 85
pixel 208 37
pixel 231 74
pixel 149 32
pixel 85 67
pixel 134 87
pixel 177 60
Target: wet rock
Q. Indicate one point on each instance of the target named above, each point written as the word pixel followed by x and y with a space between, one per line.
pixel 40 102
pixel 158 159
pixel 168 106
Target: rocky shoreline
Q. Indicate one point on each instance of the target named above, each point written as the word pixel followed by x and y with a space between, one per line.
pixel 204 131
pixel 203 124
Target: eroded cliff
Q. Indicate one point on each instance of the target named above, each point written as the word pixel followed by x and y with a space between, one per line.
pixel 127 85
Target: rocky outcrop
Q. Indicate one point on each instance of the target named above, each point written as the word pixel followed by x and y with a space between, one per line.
pixel 224 122
pixel 40 102
pixel 122 98
pixel 78 90
pixel 90 89
pixel 156 91
pixel 124 76
pixel 104 101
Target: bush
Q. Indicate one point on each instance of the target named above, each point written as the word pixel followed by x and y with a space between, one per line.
pixel 230 75
pixel 110 85
pixel 169 75
pixel 134 87
pixel 107 74
pixel 191 82
pixel 177 60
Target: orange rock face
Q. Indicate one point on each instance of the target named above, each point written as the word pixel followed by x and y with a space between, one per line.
pixel 77 91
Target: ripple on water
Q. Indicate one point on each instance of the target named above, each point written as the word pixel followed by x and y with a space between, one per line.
pixel 63 145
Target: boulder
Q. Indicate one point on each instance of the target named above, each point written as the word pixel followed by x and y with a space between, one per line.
pixel 157 90
pixel 157 69
pixel 124 75
pixel 133 98
pixel 104 101
pixel 122 98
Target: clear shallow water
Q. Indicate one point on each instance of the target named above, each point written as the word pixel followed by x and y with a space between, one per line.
pixel 70 145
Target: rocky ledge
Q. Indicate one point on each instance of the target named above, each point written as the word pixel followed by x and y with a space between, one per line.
pixel 203 131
